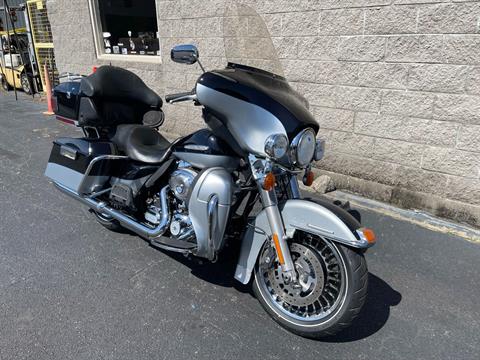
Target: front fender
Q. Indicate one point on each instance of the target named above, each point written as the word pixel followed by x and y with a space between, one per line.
pixel 317 217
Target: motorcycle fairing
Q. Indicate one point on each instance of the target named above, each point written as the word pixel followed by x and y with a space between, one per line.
pixel 249 124
pixel 308 216
pixel 265 90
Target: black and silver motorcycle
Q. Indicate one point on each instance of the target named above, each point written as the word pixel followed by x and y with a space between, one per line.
pixel 303 257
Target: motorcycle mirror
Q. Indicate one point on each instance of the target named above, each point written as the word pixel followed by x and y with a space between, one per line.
pixel 185 54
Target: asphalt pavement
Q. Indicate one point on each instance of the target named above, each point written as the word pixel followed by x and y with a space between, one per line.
pixel 70 289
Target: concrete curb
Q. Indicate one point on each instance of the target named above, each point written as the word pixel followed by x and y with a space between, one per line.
pixel 416 217
pixel 445 208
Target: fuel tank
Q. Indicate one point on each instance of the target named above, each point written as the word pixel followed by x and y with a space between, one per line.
pixel 254 104
pixel 203 149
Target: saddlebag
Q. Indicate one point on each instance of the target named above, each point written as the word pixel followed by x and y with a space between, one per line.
pixel 76 164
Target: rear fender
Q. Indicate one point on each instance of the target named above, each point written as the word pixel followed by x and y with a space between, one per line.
pixel 317 217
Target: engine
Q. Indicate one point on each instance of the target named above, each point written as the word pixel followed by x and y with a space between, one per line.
pixel 181 182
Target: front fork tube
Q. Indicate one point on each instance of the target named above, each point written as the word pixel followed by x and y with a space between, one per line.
pixel 270 205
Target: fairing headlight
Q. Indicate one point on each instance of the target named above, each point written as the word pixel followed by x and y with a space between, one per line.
pixel 303 148
pixel 276 146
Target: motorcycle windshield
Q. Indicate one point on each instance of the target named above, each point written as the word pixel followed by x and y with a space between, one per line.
pixel 247 40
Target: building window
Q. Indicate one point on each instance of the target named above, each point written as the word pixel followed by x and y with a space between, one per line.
pixel 125 27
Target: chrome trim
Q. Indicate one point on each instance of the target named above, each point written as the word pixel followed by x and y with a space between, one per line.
pixel 270 206
pixel 68 152
pixel 90 127
pixel 192 97
pixel 196 147
pixel 363 239
pixel 319 150
pixel 170 248
pixel 310 228
pixel 212 215
pixel 294 188
pixel 270 143
pixel 90 167
pixel 267 198
pixel 98 193
pixel 124 220
pixel 319 229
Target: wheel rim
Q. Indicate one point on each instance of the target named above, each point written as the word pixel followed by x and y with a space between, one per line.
pixel 322 281
pixel 25 84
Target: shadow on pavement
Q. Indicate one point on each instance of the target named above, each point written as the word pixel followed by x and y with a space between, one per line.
pixel 220 273
pixel 372 318
pixel 374 313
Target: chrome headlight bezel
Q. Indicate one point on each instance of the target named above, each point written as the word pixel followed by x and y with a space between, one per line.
pixel 276 146
pixel 300 156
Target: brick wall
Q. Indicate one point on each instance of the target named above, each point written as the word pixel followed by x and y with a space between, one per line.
pixel 394 84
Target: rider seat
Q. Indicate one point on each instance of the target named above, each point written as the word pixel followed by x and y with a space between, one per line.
pixel 141 143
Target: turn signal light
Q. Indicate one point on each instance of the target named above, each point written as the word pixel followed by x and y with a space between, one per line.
pixel 269 182
pixel 308 178
pixel 369 235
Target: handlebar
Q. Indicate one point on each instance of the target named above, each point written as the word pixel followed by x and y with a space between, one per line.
pixel 185 96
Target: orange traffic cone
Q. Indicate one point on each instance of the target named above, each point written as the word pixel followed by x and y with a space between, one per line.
pixel 49 92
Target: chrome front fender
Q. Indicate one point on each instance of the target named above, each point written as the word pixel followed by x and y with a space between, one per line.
pixel 319 218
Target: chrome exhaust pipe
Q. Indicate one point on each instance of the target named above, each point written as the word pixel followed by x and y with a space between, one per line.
pixel 124 220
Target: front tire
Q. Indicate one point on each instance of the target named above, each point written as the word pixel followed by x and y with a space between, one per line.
pixel 331 292
pixel 26 84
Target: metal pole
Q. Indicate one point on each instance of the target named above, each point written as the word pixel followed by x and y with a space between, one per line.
pixel 31 51
pixel 10 48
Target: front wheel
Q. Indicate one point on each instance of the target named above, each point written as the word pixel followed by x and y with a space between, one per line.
pixel 26 84
pixel 329 294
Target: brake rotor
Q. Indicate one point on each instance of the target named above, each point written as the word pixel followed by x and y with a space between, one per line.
pixel 311 278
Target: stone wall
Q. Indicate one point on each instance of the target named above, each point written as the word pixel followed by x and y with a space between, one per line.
pixel 394 84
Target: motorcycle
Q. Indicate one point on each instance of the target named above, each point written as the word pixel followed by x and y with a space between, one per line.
pixel 304 258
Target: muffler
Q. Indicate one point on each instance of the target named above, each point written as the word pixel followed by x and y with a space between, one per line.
pixel 124 220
